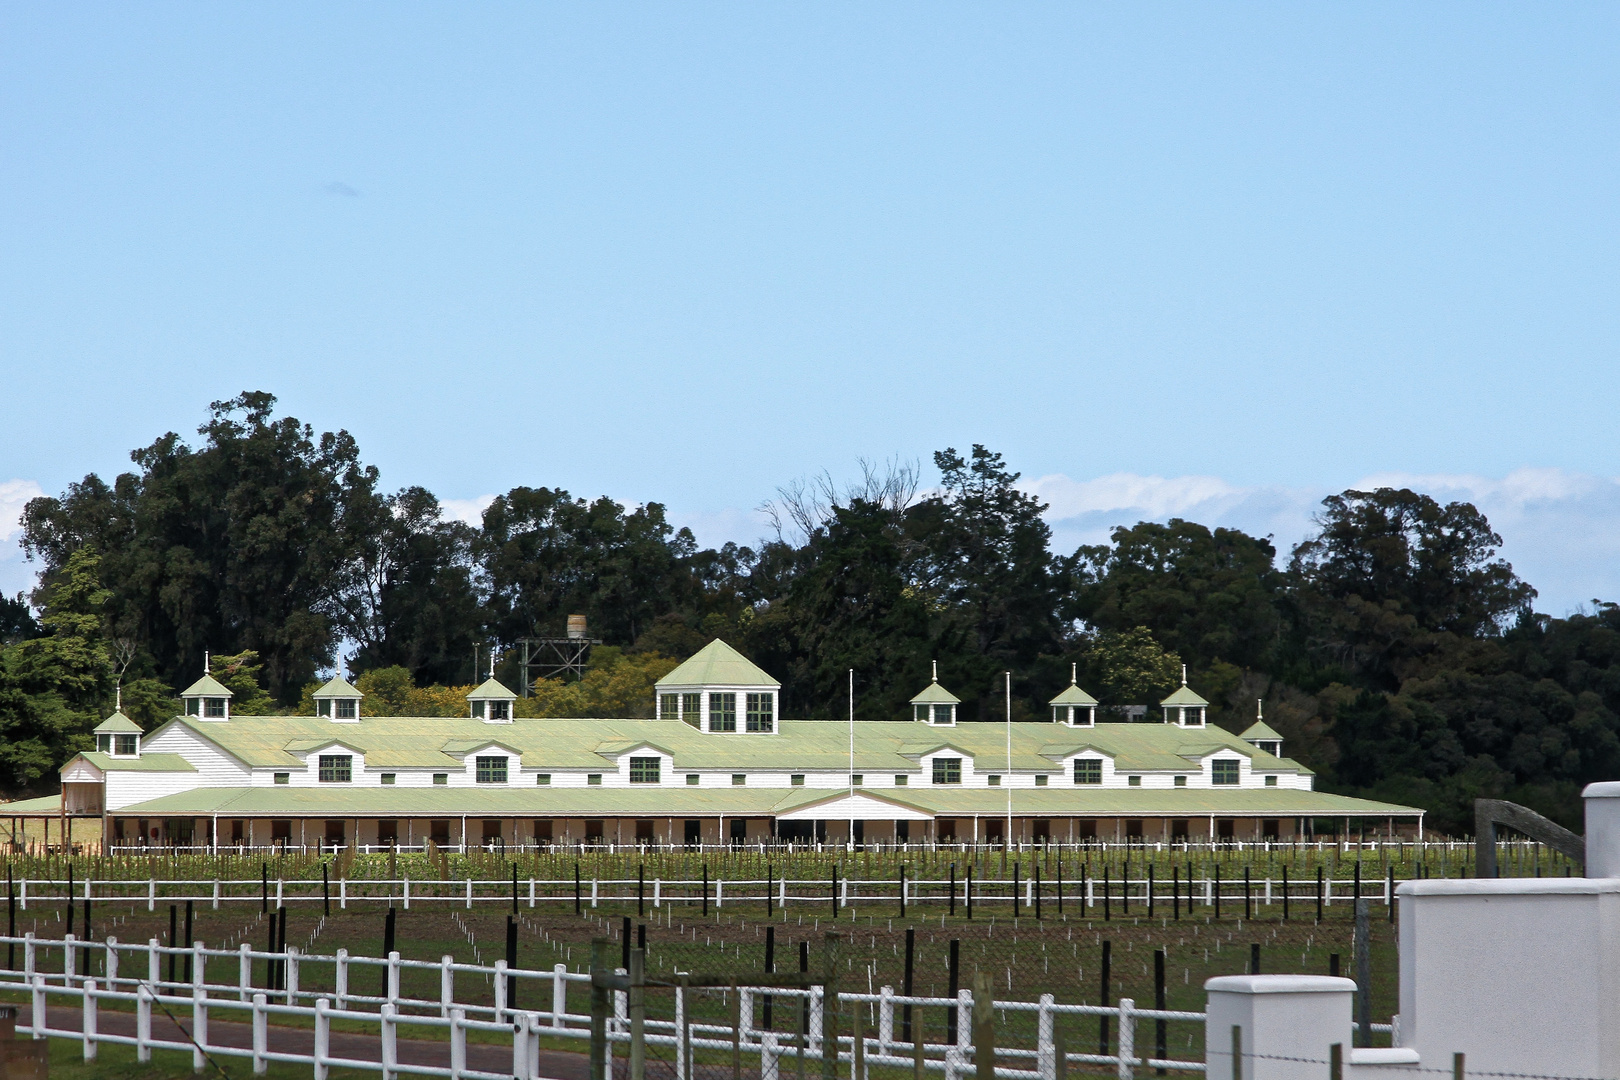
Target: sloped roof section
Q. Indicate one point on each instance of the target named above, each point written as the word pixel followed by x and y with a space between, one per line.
pixel 1184 696
pixel 118 724
pixel 718 664
pixel 207 686
pixel 1260 730
pixel 338 686
pixel 935 694
pixel 1073 695
pixel 490 688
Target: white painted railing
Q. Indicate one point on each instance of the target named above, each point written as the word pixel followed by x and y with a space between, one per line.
pixel 133 978
pixel 1084 890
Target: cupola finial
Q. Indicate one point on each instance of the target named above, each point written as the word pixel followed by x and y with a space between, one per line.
pixel 205 661
pixel 936 669
pixel 1183 674
pixel 1074 678
pixel 1259 709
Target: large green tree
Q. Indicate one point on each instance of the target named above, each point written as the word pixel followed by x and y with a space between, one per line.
pixel 236 544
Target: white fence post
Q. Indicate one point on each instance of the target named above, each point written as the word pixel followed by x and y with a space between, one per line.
pixel 151 894
pixel 447 986
pixel 292 974
pixel 143 1023
pixel 69 943
pixel 768 1057
pixel 390 1056
pixel 531 892
pixel 260 1036
pixel 964 1021
pixel 343 894
pixel 559 995
pixel 885 1019
pixel 41 1020
pixel 593 892
pixel 658 892
pixel 405 891
pixel 112 963
pixel 280 886
pixel 154 964
pixel 1045 1050
pixel 29 957
pixel 89 1008
pixel 393 977
pixel 500 991
pixel 340 979
pixel 1127 1038
pixel 458 1043
pixel 244 977
pixel 23 895
pixel 199 1027
pixel 323 1037
pixel 216 894
pixel 469 894
pixel 815 1019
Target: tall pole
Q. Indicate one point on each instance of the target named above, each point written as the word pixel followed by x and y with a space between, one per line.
pixel 852 733
pixel 1009 778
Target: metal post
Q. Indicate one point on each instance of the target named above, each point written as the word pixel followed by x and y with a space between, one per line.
pixel 984 1028
pixel 599 1008
pixel 906 986
pixel 638 1014
pixel 1363 975
pixel 1160 1036
pixel 1107 991
pixel 831 948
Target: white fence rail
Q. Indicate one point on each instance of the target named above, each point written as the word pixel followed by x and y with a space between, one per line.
pixel 132 980
pixel 1086 891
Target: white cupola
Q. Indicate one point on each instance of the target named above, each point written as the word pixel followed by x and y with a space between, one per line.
pixel 207 698
pixel 719 690
pixel 338 701
pixel 1185 708
pixel 118 736
pixel 1074 706
pixel 936 705
pixel 1261 735
pixel 492 702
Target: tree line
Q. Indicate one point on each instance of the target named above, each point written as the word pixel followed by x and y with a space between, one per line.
pixel 1395 651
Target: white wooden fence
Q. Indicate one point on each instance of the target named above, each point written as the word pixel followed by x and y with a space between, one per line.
pixel 133 979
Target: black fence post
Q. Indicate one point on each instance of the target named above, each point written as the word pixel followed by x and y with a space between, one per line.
pixel 1175 891
pixel 1037 890
pixel 955 972
pixel 705 890
pixel 326 891
pixel 511 961
pixel 902 890
pixel 624 942
pixel 641 894
pixel 967 890
pixel 1319 894
pixel 835 890
pixel 770 880
pixel 1150 890
pixel 577 909
pixel 270 957
pixel 1356 896
pixel 1160 1040
pixel 1254 958
pixel 770 969
pixel 174 940
pixel 1107 978
pixel 188 938
pixel 906 986
pixel 1285 892
pixel 1389 885
pixel 952 899
pixel 1248 899
pixel 1108 899
pixel 804 1002
pixel 1125 888
pixel 514 889
pixel 1017 884
pixel 388 944
pixel 264 888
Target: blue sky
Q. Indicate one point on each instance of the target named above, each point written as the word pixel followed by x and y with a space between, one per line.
pixel 1214 260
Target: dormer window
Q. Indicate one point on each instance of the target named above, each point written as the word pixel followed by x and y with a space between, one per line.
pixel 1074 706
pixel 126 745
pixel 935 705
pixel 1184 707
pixel 491 702
pixel 207 698
pixel 1192 716
pixel 722 712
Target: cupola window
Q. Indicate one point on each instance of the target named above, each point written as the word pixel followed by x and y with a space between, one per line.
pixel 713 686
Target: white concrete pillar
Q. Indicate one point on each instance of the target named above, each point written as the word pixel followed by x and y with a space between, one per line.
pixel 1280 1017
pixel 1602 829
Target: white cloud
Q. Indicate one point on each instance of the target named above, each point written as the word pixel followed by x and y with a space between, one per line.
pixel 469 510
pixel 16 574
pixel 1560 529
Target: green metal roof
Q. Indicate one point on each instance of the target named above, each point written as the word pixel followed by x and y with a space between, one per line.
pixel 717 664
pixel 207 686
pixel 1184 696
pixel 267 742
pixel 118 724
pixel 488 689
pixel 338 686
pixel 1260 730
pixel 45 804
pixel 147 762
pixel 1073 695
pixel 935 694
pixel 940 800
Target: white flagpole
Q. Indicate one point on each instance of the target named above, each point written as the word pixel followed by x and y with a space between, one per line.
pixel 852 731
pixel 1009 777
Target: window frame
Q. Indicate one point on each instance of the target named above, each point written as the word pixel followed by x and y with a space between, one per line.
pixel 723 711
pixel 491 768
pixel 760 710
pixel 126 745
pixel 335 769
pixel 542 779
pixel 947 770
pixel 388 778
pixel 441 779
pixel 1088 771
pixel 902 780
pixel 281 779
pixel 640 766
pixel 1225 772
